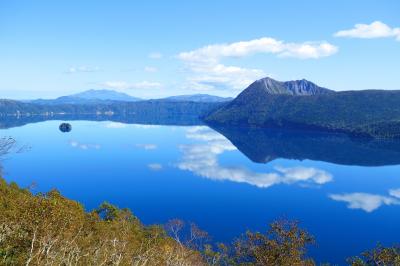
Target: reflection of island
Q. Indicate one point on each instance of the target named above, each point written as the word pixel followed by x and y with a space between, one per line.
pixel 265 145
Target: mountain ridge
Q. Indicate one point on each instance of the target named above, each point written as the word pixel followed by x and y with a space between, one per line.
pixel 197 98
pixel 104 96
pixel 91 96
pixel 372 113
pixel 293 87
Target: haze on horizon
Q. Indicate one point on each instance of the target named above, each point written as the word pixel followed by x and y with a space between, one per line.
pixel 153 49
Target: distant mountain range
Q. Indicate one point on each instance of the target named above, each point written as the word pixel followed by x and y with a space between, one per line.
pixel 301 104
pixel 197 98
pixel 110 96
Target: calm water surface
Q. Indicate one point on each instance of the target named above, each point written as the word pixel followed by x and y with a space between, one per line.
pixel 345 192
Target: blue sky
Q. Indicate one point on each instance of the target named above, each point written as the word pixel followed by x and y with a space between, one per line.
pixel 153 49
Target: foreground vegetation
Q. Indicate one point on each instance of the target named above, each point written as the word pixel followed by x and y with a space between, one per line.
pixel 49 229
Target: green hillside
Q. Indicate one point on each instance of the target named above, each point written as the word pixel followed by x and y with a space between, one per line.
pixel 374 113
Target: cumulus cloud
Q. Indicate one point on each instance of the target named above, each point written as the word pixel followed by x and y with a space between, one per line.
pixel 305 50
pixel 364 201
pixel 84 146
pixel 219 76
pixel 155 166
pixel 122 85
pixel 209 73
pixel 115 125
pixel 147 146
pixel 155 55
pixel 376 29
pixel 80 69
pixel 202 160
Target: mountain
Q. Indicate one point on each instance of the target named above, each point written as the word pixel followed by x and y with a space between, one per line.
pixel 197 98
pixel 90 97
pixel 304 105
pixel 296 87
pixel 109 95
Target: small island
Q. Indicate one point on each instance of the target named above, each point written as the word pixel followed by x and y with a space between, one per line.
pixel 65 127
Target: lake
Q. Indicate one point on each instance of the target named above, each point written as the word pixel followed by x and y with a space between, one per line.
pixel 345 191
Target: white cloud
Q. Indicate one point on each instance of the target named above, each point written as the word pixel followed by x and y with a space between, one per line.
pixel 202 160
pixel 364 201
pixel 147 146
pixel 155 55
pixel 155 166
pixel 212 53
pixel 122 85
pixel 80 69
pixel 84 146
pixel 115 125
pixel 395 192
pixel 209 73
pixel 308 50
pixel 209 77
pixel 150 69
pixel 376 29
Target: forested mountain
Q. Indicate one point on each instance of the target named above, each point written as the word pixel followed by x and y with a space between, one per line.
pixel 374 113
pixel 110 96
pixel 295 87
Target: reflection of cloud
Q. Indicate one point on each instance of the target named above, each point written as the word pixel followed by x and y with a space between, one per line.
pixel 395 192
pixel 147 146
pixel 364 201
pixel 205 134
pixel 155 166
pixel 296 174
pixel 84 146
pixel 202 159
pixel 116 125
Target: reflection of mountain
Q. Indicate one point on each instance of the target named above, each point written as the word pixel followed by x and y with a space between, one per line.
pixel 147 119
pixel 202 159
pixel 265 145
pixel 147 112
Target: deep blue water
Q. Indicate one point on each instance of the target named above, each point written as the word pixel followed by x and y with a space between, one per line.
pixel 347 197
